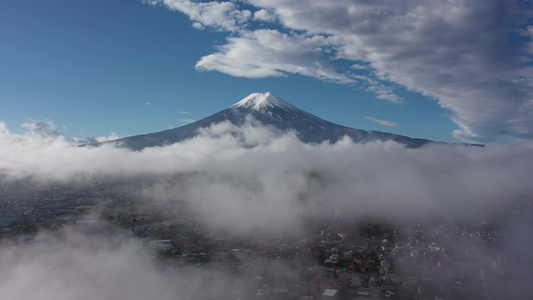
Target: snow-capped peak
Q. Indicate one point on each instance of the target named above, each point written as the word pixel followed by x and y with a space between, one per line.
pixel 262 100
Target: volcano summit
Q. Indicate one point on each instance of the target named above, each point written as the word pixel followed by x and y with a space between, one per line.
pixel 268 110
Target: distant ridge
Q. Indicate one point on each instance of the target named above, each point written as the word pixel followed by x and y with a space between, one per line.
pixel 273 111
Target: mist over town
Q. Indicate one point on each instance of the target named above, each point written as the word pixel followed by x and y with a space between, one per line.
pixel 266 150
pixel 208 218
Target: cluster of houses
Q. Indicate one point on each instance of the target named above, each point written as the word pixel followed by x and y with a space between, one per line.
pixel 330 262
pixel 24 210
pixel 330 265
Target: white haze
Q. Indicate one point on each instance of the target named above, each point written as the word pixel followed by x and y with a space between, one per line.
pixel 267 185
pixel 379 177
pixel 70 266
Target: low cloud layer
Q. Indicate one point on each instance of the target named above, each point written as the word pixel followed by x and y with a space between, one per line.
pixel 69 265
pixel 254 181
pixel 234 165
pixel 471 56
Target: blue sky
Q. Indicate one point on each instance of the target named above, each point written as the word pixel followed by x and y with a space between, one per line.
pixel 450 72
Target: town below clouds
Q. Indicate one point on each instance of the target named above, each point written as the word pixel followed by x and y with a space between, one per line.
pixel 257 183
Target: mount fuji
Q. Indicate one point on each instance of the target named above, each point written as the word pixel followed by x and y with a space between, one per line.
pixel 269 110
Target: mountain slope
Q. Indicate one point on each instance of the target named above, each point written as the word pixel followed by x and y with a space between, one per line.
pixel 269 110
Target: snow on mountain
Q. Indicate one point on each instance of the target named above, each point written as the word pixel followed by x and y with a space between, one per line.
pixel 259 101
pixel 269 110
pixel 268 105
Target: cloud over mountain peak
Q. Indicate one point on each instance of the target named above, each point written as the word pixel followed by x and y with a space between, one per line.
pixel 471 56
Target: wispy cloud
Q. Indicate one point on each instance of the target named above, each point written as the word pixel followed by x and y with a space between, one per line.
pixel 113 136
pixel 47 130
pixel 386 93
pixel 148 103
pixel 44 129
pixel 187 120
pixel 383 122
pixel 220 15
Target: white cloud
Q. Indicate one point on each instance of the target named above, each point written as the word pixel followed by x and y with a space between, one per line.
pixel 263 53
pixel 382 122
pixel 43 129
pixel 459 52
pixel 264 15
pixel 187 120
pixel 385 93
pixel 69 265
pixel 47 132
pixel 379 177
pixel 250 179
pixel 219 15
pixel 111 137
